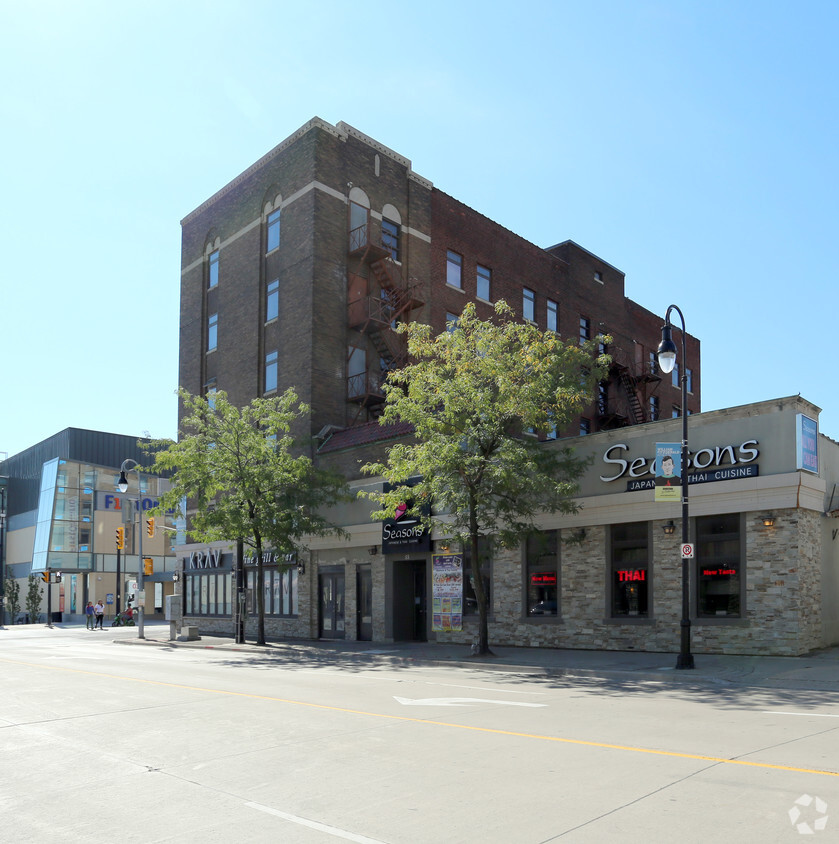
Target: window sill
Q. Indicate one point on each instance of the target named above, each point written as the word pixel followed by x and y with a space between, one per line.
pixel 210 351
pixel 272 320
pixel 452 287
pixel 542 619
pixel 632 621
pixel 485 301
pixel 275 249
pixel 726 621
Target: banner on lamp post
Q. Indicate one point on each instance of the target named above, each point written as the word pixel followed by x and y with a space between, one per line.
pixel 668 471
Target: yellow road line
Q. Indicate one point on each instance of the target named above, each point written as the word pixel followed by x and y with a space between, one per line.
pixel 581 742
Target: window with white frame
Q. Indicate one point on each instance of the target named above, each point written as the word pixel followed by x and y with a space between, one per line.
pixel 271 371
pixel 585 330
pixel 272 302
pixel 212 269
pixel 454 269
pixel 212 332
pixel 528 304
pixel 273 231
pixel 390 238
pixel 553 316
pixel 484 283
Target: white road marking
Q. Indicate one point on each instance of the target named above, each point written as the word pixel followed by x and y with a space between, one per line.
pixel 805 714
pixel 484 689
pixel 459 701
pixel 321 827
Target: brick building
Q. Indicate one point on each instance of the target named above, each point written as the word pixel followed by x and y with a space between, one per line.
pixel 295 273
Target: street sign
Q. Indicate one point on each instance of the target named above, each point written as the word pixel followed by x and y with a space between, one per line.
pixel 687 550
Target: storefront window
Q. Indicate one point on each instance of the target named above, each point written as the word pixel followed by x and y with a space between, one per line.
pixel 542 575
pixel 719 563
pixel 630 569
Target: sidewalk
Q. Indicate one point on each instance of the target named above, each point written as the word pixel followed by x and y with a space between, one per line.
pixel 818 671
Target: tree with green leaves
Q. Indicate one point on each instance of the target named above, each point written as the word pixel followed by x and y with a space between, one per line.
pixel 12 597
pixel 34 596
pixel 246 478
pixel 476 395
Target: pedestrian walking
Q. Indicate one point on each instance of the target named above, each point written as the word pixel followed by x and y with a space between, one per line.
pixel 99 612
pixel 88 611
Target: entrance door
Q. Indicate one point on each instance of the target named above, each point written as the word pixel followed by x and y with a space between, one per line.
pixel 331 621
pixel 410 602
pixel 365 604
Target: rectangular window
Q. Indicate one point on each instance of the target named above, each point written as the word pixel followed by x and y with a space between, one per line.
pixel 653 364
pixel 271 371
pixel 676 412
pixel 603 398
pixel 689 375
pixel 719 561
pixel 213 269
pixel 484 283
pixel 630 562
pixel 528 304
pixel 675 375
pixel 553 316
pixel 212 332
pixel 358 226
pixel 654 409
pixel 451 321
pixel 272 235
pixel 585 426
pixel 390 238
pixel 585 330
pixel 272 304
pixel 542 575
pixel 454 268
pixel 598 276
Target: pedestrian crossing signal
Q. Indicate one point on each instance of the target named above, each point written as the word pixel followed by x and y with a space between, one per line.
pixel 120 538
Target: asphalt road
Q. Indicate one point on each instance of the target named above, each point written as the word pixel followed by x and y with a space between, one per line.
pixel 104 741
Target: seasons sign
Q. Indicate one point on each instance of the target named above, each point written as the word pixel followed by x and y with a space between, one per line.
pixel 720 463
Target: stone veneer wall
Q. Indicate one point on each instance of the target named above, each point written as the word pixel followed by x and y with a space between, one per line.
pixel 782 610
pixel 782 605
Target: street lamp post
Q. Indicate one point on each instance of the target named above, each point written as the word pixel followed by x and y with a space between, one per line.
pixel 123 487
pixel 667 360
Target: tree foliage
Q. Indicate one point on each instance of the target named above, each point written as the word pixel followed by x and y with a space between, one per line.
pixel 473 395
pixel 34 596
pixel 12 597
pixel 245 477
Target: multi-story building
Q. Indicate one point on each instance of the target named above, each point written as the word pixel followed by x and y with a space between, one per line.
pixel 62 512
pixel 296 273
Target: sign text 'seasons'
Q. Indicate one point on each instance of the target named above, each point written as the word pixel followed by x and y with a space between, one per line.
pixel 720 463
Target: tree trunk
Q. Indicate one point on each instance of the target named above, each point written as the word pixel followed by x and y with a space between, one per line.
pixel 478 585
pixel 260 595
pixel 239 605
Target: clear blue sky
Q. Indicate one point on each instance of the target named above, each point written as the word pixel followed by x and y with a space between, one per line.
pixel 691 144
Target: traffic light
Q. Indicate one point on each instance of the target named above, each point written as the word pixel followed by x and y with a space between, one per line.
pixel 45 576
pixel 148 565
pixel 150 527
pixel 120 538
pixel 57 578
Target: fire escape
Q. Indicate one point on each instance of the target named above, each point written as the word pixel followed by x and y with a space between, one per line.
pixel 377 303
pixel 634 383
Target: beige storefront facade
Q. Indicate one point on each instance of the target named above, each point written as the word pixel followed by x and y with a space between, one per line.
pixel 764 576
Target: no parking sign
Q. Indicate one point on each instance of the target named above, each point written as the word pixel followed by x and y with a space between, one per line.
pixel 687 550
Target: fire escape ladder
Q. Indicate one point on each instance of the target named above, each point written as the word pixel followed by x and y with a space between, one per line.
pixel 635 405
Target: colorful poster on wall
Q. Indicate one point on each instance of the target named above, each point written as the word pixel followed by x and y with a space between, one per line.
pixel 447 592
pixel 668 471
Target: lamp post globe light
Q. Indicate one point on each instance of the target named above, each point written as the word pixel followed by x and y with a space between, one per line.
pixel 667 360
pixel 122 484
